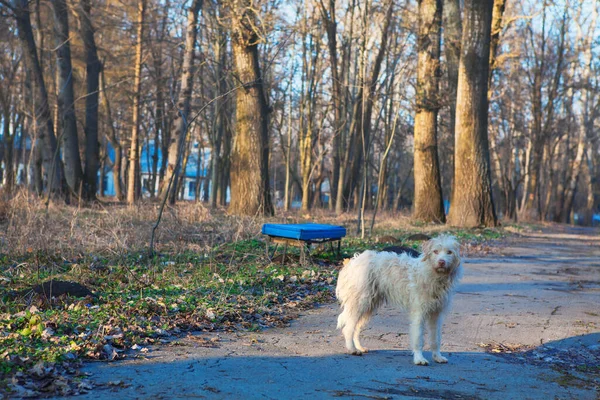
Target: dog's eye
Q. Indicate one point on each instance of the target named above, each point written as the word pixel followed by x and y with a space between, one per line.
pixel 449 251
pixel 435 252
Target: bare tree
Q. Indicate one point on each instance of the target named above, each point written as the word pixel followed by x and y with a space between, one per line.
pixel 429 202
pixel 93 68
pixel 133 186
pixel 183 119
pixel 452 37
pixel 250 193
pixel 66 98
pixel 53 167
pixel 472 202
pixel 585 44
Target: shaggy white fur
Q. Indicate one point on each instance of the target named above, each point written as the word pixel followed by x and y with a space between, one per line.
pixel 423 286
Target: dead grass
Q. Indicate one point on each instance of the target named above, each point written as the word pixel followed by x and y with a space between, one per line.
pixel 107 228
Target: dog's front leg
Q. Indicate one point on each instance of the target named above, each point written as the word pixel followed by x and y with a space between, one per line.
pixel 435 336
pixel 416 338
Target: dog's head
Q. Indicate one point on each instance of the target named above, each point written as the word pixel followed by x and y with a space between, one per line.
pixel 442 254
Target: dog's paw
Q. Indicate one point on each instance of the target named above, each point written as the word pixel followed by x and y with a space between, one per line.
pixel 357 353
pixel 439 358
pixel 363 349
pixel 418 359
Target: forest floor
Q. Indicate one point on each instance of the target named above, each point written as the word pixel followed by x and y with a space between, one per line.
pixel 209 315
pixel 525 324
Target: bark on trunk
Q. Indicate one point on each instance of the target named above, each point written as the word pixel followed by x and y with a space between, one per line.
pixel 215 155
pixel 429 202
pixel 183 118
pixel 8 144
pixel 472 202
pixel 133 189
pixel 452 36
pixel 66 99
pixel 93 67
pixel 52 165
pixel 250 193
pixel 111 135
pixel 328 15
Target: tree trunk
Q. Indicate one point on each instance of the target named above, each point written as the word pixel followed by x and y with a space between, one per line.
pixel 496 30
pixel 93 67
pixel 429 202
pixel 250 193
pixel 66 99
pixel 183 118
pixel 288 152
pixel 8 143
pixel 37 182
pixel 111 135
pixel 452 36
pixel 225 162
pixel 472 202
pixel 159 121
pixel 329 20
pixel 52 165
pixel 216 142
pixel 133 189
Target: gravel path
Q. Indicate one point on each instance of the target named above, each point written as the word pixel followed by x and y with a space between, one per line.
pixel 525 325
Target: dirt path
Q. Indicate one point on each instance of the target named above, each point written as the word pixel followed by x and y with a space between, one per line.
pixel 542 292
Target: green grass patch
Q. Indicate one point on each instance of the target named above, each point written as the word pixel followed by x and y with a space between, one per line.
pixel 141 300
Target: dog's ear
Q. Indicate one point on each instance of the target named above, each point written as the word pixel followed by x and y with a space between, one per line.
pixel 426 249
pixel 455 246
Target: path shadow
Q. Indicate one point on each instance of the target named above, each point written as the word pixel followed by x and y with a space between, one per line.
pixel 566 368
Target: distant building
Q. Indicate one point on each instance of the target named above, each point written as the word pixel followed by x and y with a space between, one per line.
pixel 196 172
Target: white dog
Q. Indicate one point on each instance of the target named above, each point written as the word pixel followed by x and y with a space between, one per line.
pixel 423 286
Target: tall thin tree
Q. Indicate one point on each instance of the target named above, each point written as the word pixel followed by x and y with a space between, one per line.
pixel 133 188
pixel 66 99
pixel 93 68
pixel 183 119
pixel 52 165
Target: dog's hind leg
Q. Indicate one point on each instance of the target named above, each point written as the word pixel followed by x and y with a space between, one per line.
pixel 350 319
pixel 416 338
pixel 361 322
pixel 434 322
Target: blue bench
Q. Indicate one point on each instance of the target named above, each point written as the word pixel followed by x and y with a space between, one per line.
pixel 302 236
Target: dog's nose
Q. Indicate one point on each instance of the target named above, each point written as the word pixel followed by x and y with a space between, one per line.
pixel 441 263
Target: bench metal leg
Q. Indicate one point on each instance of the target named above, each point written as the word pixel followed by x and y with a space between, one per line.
pixel 268 253
pixel 267 247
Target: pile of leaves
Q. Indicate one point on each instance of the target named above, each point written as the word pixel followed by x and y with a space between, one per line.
pixel 578 364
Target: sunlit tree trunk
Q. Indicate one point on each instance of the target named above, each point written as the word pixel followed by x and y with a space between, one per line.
pixel 111 135
pixel 329 19
pixel 133 189
pixel 428 202
pixel 250 193
pixel 472 203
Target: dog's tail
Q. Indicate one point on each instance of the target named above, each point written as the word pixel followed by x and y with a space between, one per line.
pixel 341 320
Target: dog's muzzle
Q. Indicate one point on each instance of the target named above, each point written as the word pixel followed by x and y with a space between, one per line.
pixel 441 267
